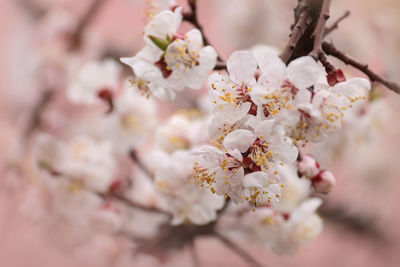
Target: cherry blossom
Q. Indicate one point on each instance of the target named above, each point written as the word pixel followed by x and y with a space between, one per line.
pixel 170 61
pixel 230 95
pixel 88 81
pixel 185 199
pixel 86 162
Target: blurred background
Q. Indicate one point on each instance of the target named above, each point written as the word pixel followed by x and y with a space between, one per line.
pixel 361 217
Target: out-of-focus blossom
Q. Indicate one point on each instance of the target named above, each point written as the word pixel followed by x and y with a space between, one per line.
pixel 285 234
pixel 87 162
pixel 89 81
pixel 132 120
pixel 183 130
pixel 186 200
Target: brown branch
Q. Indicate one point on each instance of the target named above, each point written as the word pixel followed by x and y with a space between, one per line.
pixel 104 196
pixel 318 34
pixel 330 49
pixel 222 211
pixel 140 164
pixel 220 66
pixel 132 204
pixel 237 249
pixel 335 25
pixel 357 223
pixel 47 96
pixel 194 254
pixel 193 19
pixel 36 118
pixel 298 30
pixel 90 14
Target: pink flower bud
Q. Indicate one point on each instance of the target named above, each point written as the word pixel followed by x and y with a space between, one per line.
pixel 308 167
pixel 335 76
pixel 323 182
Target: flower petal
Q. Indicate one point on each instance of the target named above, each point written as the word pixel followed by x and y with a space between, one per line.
pixel 303 72
pixel 241 66
pixel 255 179
pixel 239 139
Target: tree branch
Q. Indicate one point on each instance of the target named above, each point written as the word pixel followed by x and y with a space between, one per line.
pixel 90 14
pixel 302 23
pixel 358 223
pixel 36 118
pixel 193 19
pixel 140 164
pixel 335 25
pixel 240 251
pixel 194 254
pixel 318 34
pixel 132 204
pixel 330 49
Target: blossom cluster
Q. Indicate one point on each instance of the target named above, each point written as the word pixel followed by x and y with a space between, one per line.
pixel 236 156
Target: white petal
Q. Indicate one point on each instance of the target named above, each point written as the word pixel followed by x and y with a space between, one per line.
pixel 353 89
pixel 232 114
pixel 163 24
pixel 287 152
pixel 266 55
pixel 255 179
pixel 239 139
pixel 303 72
pixel 164 93
pixel 241 66
pixel 302 96
pixel 273 75
pixel 194 40
pixel 208 58
pixel 268 128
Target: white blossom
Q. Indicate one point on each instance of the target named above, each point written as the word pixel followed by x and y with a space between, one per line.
pixel 87 162
pixel 170 61
pixel 92 77
pixel 187 201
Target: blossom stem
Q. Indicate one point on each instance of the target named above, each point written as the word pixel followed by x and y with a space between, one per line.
pixel 194 254
pixel 335 25
pixel 193 19
pixel 302 23
pixel 140 164
pixel 357 223
pixel 318 34
pixel 36 118
pixel 330 49
pixel 90 14
pixel 226 204
pixel 237 249
pixel 130 203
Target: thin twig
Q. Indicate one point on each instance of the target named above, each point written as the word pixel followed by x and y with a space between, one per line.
pixel 226 204
pixel 193 19
pixel 86 19
pixel 47 96
pixel 356 223
pixel 318 34
pixel 36 118
pixel 330 49
pixel 140 164
pixel 194 254
pixel 240 251
pixel 104 196
pixel 335 25
pixel 298 31
pixel 220 66
pixel 132 204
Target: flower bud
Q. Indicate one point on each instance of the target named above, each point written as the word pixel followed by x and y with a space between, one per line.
pixel 335 76
pixel 323 182
pixel 308 167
